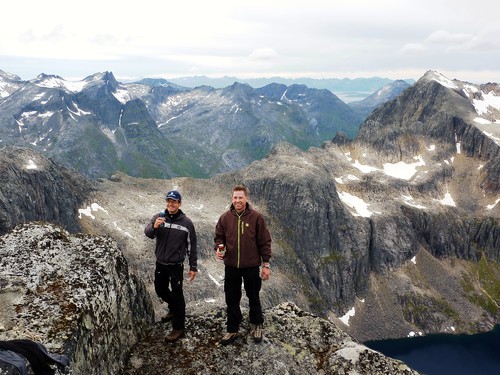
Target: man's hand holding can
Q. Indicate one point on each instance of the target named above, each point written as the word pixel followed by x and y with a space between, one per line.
pixel 221 251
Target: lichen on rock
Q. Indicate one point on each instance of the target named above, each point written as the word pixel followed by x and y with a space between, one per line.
pixel 72 293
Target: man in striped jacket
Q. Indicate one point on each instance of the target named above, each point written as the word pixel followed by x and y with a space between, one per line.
pixel 175 238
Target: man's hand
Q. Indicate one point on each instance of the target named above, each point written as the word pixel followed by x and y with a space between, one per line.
pixel 191 275
pixel 219 255
pixel 265 273
pixel 158 222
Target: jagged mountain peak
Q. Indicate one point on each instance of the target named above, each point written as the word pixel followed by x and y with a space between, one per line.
pixel 57 82
pixel 43 76
pixel 9 83
pixel 390 87
pixel 4 76
pixel 295 92
pixel 238 90
pixel 273 90
pixel 432 75
pixel 160 82
pixel 100 76
pixel 103 78
pixel 484 99
pixel 436 109
pixel 54 81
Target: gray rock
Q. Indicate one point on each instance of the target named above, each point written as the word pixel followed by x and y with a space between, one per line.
pixel 72 293
pixel 36 188
pixel 295 342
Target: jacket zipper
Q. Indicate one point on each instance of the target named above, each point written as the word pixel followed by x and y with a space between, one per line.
pixel 240 232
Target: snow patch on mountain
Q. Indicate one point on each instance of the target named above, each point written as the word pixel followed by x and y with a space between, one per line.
pixel 359 205
pixel 403 170
pixel 447 200
pixel 441 79
pixel 488 100
pixel 122 95
pixel 59 83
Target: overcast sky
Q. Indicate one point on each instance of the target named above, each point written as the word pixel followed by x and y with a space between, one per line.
pixel 396 39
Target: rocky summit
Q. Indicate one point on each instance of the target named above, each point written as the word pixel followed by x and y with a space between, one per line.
pixel 295 342
pixel 73 294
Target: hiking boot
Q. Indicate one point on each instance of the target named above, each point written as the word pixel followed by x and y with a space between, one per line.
pixel 175 335
pixel 228 338
pixel 167 318
pixel 257 333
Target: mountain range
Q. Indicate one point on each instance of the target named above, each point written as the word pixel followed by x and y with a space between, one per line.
pixel 154 128
pixel 393 233
pixel 347 89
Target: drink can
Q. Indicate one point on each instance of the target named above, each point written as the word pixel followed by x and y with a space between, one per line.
pixel 221 249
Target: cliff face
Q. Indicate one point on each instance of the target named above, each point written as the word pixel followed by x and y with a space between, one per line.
pixel 72 293
pixel 340 243
pixel 35 188
pixel 439 110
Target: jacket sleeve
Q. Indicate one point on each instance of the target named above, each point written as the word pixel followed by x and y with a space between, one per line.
pixel 193 251
pixel 150 231
pixel 264 240
pixel 219 236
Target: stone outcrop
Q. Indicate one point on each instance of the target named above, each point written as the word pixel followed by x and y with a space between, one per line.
pixel 295 342
pixel 72 293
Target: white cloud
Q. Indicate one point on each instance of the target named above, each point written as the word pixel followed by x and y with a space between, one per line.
pixel 257 38
pixel 446 37
pixel 412 48
pixel 263 54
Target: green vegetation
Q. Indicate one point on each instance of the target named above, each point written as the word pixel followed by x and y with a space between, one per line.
pixel 484 275
pixel 427 312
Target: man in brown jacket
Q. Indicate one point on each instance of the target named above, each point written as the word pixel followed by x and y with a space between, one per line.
pixel 243 234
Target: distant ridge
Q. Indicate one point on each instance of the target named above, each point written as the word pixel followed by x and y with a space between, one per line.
pixel 336 85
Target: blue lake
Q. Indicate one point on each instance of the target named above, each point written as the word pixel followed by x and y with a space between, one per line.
pixel 445 354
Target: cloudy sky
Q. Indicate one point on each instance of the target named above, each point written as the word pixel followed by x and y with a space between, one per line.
pixel 260 38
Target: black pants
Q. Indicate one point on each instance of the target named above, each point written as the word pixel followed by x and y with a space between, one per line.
pixel 232 289
pixel 168 286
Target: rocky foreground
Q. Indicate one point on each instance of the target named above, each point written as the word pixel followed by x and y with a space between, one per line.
pixel 76 295
pixel 295 342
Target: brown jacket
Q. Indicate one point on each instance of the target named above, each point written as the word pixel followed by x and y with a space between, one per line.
pixel 246 237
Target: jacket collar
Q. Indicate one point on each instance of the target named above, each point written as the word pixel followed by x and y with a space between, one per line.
pixel 245 211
